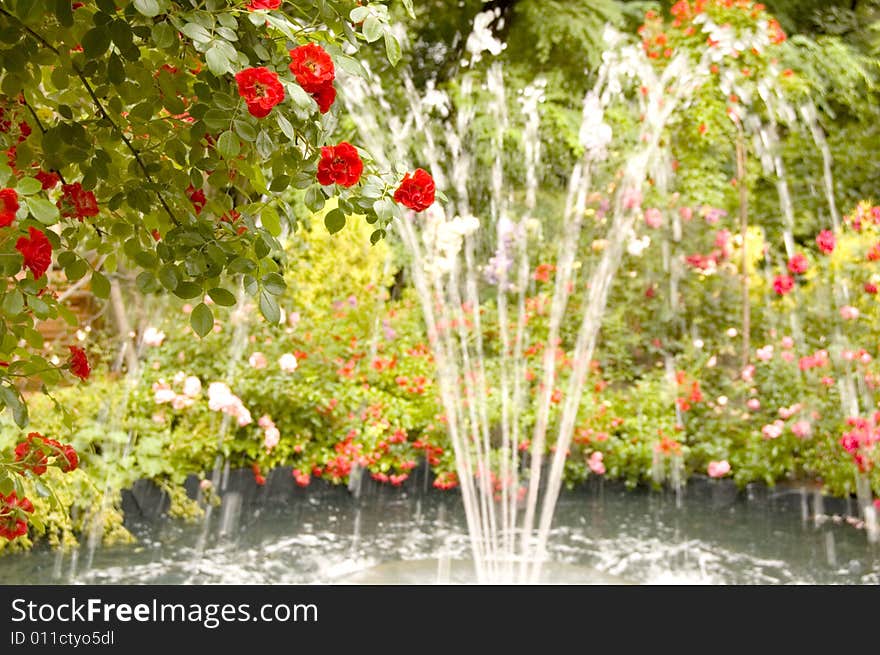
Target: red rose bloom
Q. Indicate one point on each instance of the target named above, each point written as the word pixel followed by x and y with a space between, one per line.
pixel 798 264
pixel 260 89
pixel 76 202
pixel 325 97
pixel 312 67
pixel 31 454
pixel 870 287
pixel 416 191
pixel 340 165
pixel 71 459
pixel 197 198
pixel 36 250
pixel 783 284
pixel 48 179
pixel 826 241
pixel 263 4
pixel 8 206
pixel 79 364
pixel 12 525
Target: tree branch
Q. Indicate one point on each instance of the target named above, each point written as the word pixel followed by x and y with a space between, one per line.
pixel 102 111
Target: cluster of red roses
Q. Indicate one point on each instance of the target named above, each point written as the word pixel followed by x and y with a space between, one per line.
pixel 35 454
pixel 341 164
pixel 13 515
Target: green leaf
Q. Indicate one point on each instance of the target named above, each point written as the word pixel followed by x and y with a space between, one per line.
pixel 148 8
pixel 187 290
pixel 285 126
pixel 115 70
pixel 334 221
pixel 95 42
pixel 146 282
pixel 245 130
pixel 408 5
pixel 13 303
pixel 163 35
pixel 76 270
pixel 269 307
pixel 358 14
pixel 271 221
pixel 43 210
pixel 196 32
pixel 222 297
pixel 274 284
pixel 28 186
pixel 372 29
pixel 201 319
pixel 12 400
pixel 228 145
pixel 218 62
pixel 315 198
pixel 392 48
pixel 100 285
pixel 169 277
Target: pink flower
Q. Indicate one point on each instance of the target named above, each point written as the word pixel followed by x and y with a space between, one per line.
pixel 288 363
pixel 782 284
pixel 181 402
pixel 192 386
pixel 798 264
pixel 849 313
pixel 788 412
pixel 826 241
pixel 271 437
pixel 258 361
pixel 265 422
pixel 787 343
pixel 718 469
pixel 596 464
pixel 801 429
pixel 753 404
pixel 686 213
pixel 787 355
pixel 163 394
pixel 773 430
pixel 153 337
pixel 653 217
pixel 765 354
pixel 827 381
pixel 748 373
pixel 632 198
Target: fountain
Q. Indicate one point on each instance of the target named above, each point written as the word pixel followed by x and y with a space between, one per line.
pixel 509 499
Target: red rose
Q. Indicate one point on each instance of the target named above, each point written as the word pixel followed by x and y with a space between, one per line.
pixel 79 364
pixel 32 455
pixel 826 241
pixel 325 97
pixel 260 89
pixel 263 4
pixel 8 206
pixel 36 250
pixel 197 198
pixel 340 164
pixel 48 179
pixel 870 287
pixel 416 191
pixel 12 508
pixel 798 264
pixel 76 202
pixel 312 67
pixel 783 284
pixel 70 457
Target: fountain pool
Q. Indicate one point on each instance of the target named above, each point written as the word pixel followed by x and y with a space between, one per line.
pixel 602 534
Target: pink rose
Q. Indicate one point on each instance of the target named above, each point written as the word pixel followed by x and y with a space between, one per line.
pixel 718 469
